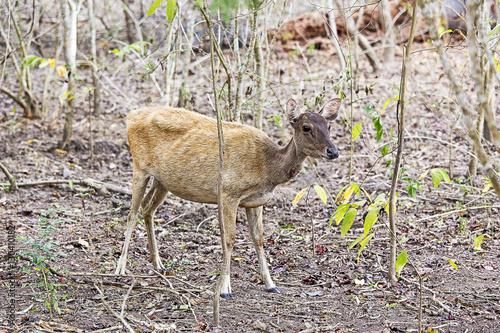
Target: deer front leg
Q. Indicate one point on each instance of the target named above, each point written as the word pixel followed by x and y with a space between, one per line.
pixel 140 180
pixel 229 212
pixel 254 217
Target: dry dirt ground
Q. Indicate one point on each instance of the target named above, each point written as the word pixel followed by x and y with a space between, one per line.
pixel 323 289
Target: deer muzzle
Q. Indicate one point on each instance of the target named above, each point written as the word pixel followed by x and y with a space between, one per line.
pixel 332 153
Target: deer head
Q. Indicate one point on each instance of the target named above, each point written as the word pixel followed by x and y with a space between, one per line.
pixel 311 133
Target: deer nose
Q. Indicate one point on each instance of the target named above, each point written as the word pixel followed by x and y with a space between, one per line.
pixel 332 153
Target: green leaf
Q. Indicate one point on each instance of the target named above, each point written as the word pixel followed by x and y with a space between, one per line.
pixel 355 187
pixel 477 242
pixel 380 198
pixel 386 103
pixel 153 7
pixel 358 204
pixel 31 60
pixel 363 244
pixel 341 210
pixel 438 175
pixel 385 150
pixel 171 10
pixel 452 263
pixel 378 124
pixel 497 27
pixel 348 221
pixel 321 193
pixel 356 131
pixel 401 261
pixel 331 220
pixel 70 183
pixel 370 220
pixel 411 190
pixel 356 241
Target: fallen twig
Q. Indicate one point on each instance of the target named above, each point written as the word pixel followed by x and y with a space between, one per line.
pixel 113 311
pixel 11 179
pixel 99 186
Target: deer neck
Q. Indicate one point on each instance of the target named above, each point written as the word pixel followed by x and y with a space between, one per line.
pixel 288 162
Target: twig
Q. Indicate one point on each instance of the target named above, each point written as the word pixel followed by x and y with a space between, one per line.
pixel 175 218
pixel 208 218
pixel 82 182
pixel 312 221
pixel 126 297
pixel 457 211
pixel 11 179
pixel 304 58
pixel 113 311
pixel 107 329
pixel 164 278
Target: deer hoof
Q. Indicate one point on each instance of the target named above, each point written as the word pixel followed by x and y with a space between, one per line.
pixel 226 295
pixel 274 290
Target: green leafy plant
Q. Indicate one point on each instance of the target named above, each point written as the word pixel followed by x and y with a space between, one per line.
pixel 371 218
pixel 401 262
pixel 478 241
pixel 137 46
pixel 413 184
pixel 41 250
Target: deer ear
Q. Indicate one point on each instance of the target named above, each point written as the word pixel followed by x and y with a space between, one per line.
pixel 292 109
pixel 330 110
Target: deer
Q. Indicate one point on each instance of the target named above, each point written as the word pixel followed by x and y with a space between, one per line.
pixel 178 149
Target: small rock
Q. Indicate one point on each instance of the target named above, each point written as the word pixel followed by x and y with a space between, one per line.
pixel 66 173
pixel 259 325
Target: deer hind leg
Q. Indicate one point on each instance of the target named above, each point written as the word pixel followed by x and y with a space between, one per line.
pixel 140 181
pixel 254 217
pixel 229 212
pixel 153 199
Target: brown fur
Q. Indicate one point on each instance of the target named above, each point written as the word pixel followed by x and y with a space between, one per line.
pixel 179 149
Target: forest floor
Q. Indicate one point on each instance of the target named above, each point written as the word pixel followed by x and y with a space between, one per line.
pixel 323 289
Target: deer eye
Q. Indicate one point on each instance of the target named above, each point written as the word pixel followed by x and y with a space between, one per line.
pixel 306 128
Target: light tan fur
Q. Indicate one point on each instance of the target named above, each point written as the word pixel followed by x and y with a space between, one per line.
pixel 179 149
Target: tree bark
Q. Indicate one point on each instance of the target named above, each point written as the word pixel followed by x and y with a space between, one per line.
pixel 69 12
pixel 401 123
pixel 93 53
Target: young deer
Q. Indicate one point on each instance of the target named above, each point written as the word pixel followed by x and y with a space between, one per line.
pixel 179 149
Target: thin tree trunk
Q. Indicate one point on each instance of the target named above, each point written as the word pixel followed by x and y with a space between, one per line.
pixel 225 264
pixel 25 94
pixel 332 29
pixel 389 41
pixel 129 23
pixel 70 20
pixel 259 73
pixel 242 66
pixel 401 123
pixel 168 70
pixel 93 53
pixel 186 56
pixel 363 42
